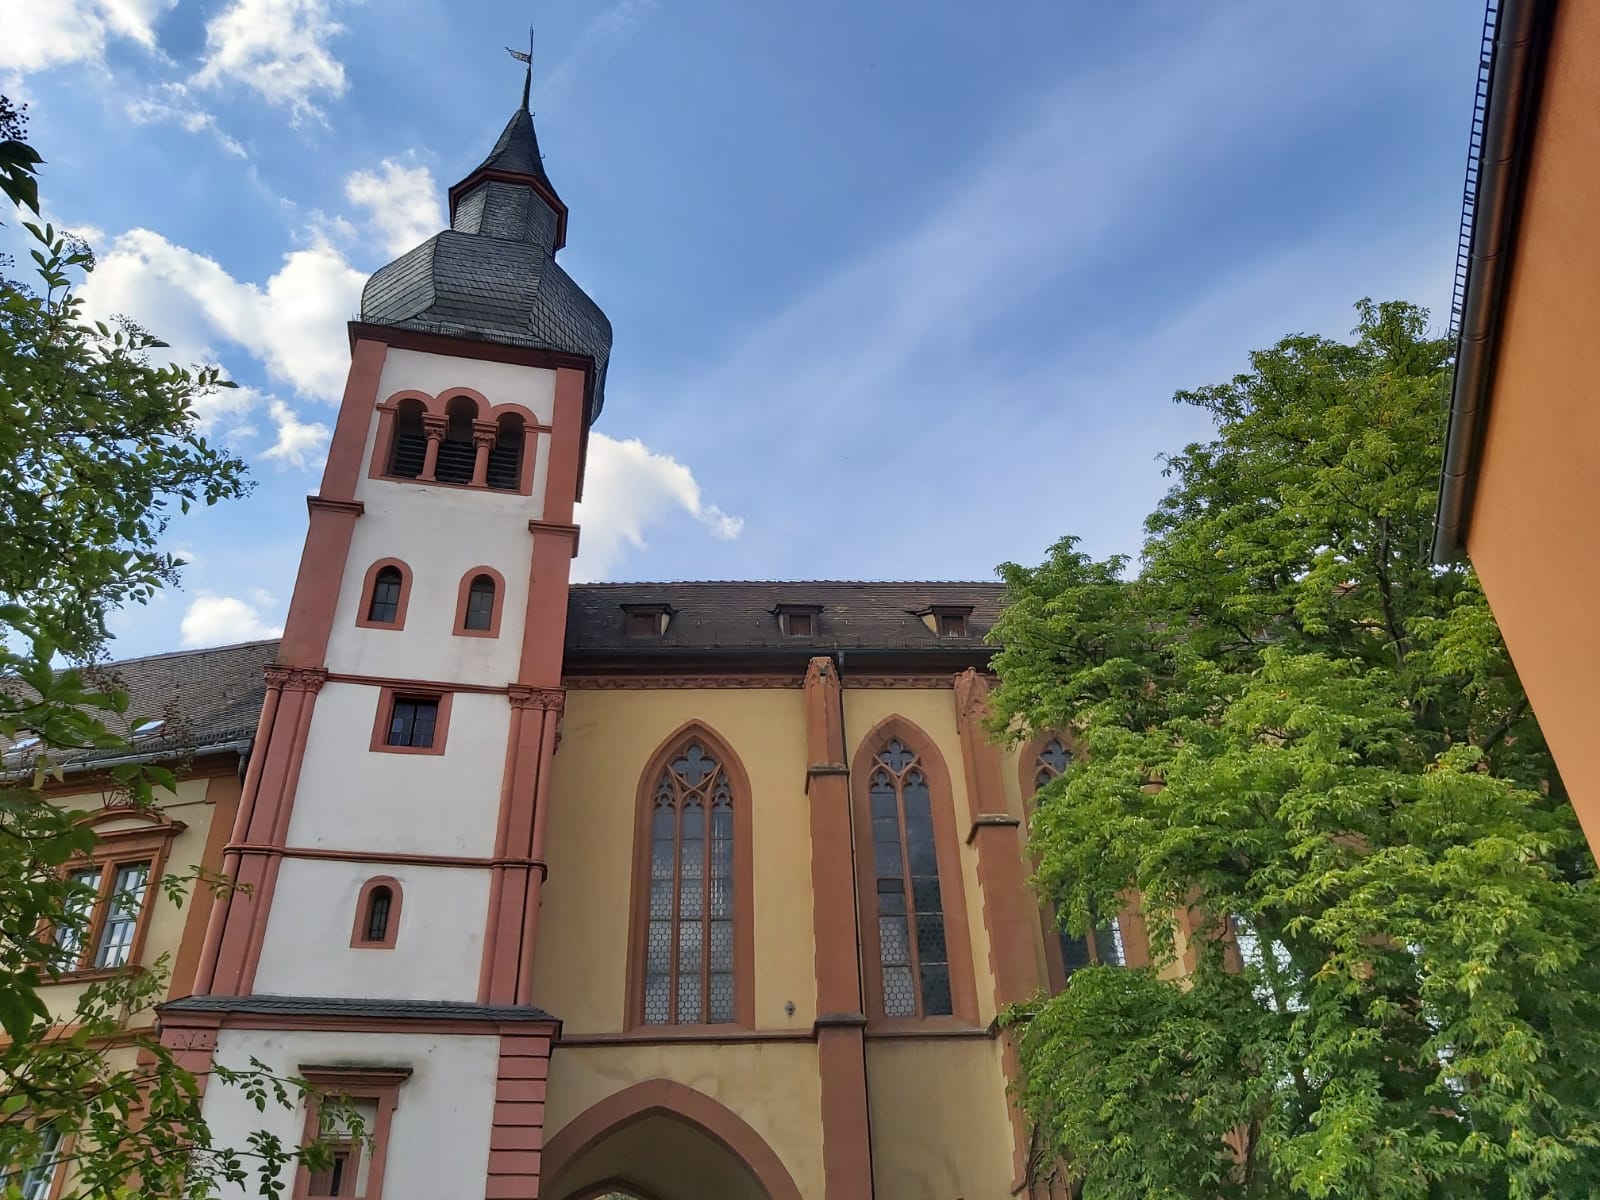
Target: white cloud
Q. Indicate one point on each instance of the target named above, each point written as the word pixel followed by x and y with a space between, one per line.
pixel 294 323
pixel 171 102
pixel 36 34
pixel 214 620
pixel 628 489
pixel 277 48
pixel 401 202
pixel 300 443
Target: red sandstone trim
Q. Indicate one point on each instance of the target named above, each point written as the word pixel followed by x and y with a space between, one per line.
pixel 222 797
pixel 391 932
pixel 841 1055
pixel 678 1102
pixel 386 702
pixel 350 430
pixel 357 1083
pixel 516 1138
pixel 371 581
pixel 465 590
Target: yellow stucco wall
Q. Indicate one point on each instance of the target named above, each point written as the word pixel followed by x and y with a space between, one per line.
pixel 167 919
pixel 939 1124
pixel 772 1086
pixel 608 738
pixel 939 1117
pixel 1534 532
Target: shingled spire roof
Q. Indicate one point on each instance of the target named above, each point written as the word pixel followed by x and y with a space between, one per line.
pixel 492 276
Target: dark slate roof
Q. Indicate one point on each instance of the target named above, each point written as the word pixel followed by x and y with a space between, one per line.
pixel 740 616
pixel 492 276
pixel 212 697
pixel 346 1006
pixel 517 150
pixel 491 289
pixel 207 698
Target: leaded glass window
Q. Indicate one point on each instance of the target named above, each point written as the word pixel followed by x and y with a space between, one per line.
pixel 688 975
pixel 1053 761
pixel 910 909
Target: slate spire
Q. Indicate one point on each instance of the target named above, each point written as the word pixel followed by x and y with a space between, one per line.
pixel 492 275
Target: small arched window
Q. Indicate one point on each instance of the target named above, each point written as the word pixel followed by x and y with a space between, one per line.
pixel 457 454
pixel 385 592
pixel 385 604
pixel 505 456
pixel 410 446
pixel 480 603
pixel 377 915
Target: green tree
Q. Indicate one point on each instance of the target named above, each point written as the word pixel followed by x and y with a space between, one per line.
pixel 99 446
pixel 1304 739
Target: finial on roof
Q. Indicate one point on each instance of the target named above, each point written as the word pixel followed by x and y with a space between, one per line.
pixel 527 78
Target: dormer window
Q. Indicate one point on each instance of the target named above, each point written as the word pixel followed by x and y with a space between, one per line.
pixel 798 620
pixel 646 620
pixel 948 620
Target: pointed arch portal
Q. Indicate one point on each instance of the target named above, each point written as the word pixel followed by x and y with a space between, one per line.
pixel 660 1140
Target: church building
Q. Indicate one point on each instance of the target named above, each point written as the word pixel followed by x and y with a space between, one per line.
pixel 667 891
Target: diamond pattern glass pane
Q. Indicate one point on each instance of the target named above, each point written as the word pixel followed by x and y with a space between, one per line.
pixel 689 1010
pixel 899 992
pixel 661 898
pixel 689 855
pixel 721 898
pixel 722 945
pixel 657 999
pixel 721 997
pixel 690 894
pixel 893 945
pixel 658 954
pixel 689 947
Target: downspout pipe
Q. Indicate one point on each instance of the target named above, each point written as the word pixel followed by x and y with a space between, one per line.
pixel 1521 37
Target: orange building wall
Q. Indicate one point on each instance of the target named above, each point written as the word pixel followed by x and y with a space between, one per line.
pixel 1534 533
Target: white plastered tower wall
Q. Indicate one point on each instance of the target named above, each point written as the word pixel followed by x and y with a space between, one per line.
pixel 389 845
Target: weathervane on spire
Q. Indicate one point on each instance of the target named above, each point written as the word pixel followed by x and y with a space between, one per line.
pixel 527 79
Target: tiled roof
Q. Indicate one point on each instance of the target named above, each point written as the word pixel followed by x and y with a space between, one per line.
pixel 204 698
pixel 517 150
pixel 212 697
pixel 740 616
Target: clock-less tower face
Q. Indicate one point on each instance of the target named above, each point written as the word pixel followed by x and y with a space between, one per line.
pixel 390 843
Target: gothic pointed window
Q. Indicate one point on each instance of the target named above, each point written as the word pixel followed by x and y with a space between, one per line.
pixel 911 932
pixel 691 935
pixel 1066 952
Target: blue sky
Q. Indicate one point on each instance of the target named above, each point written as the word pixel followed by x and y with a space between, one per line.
pixel 899 290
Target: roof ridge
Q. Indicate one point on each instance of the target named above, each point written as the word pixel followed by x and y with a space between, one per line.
pixel 167 655
pixel 794 583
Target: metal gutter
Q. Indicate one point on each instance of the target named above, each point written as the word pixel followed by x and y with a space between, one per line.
pixel 1502 128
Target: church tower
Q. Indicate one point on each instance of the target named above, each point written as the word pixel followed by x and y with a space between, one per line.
pixel 389 848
